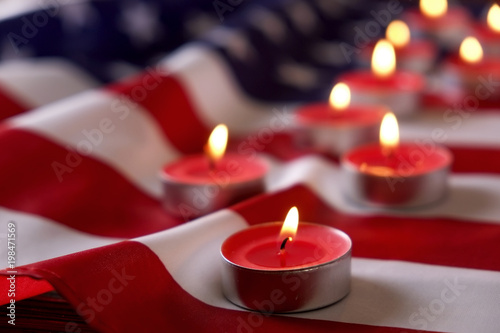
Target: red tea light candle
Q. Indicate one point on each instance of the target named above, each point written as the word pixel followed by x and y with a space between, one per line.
pixel 489 33
pixel 416 55
pixel 448 26
pixel 199 184
pixel 393 174
pixel 336 126
pixel 398 90
pixel 470 65
pixel 286 267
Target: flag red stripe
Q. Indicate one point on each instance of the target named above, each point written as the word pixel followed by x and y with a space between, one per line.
pixel 91 196
pixel 122 275
pixel 167 101
pixel 476 160
pixel 438 104
pixel 10 106
pixel 437 241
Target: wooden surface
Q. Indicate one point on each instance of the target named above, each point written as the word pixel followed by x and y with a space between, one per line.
pixel 48 312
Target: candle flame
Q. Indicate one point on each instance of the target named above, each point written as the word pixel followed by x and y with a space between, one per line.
pixel 389 133
pixel 398 33
pixel 217 142
pixel 434 8
pixel 383 59
pixel 289 228
pixel 494 18
pixel 471 50
pixel 340 97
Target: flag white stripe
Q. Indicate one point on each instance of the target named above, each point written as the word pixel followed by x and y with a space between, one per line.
pixel 106 127
pixel 37 238
pixel 194 245
pixel 37 82
pixel 453 129
pixel 384 293
pixel 13 8
pixel 214 91
pixel 418 296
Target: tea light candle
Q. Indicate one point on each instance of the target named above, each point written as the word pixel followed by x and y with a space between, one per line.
pixel 398 90
pixel 393 174
pixel 489 33
pixel 470 65
pixel 448 26
pixel 416 55
pixel 336 126
pixel 286 267
pixel 200 184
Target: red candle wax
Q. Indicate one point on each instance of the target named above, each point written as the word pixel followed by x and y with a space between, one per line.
pixel 410 175
pixel 353 116
pixel 410 154
pixel 233 168
pixel 400 91
pixel 337 131
pixel 401 81
pixel 192 188
pixel 258 247
pixel 311 272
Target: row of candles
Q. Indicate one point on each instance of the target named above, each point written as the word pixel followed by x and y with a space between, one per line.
pixel 281 267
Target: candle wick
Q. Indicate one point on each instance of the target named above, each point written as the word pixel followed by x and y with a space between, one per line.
pixel 211 160
pixel 282 247
pixel 390 155
pixel 282 253
pixel 211 164
pixel 388 152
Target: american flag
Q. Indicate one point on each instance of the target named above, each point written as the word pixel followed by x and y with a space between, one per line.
pixel 97 96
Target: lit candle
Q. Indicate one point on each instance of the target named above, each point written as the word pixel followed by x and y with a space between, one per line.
pixel 493 18
pixel 471 51
pixel 417 55
pixel 489 32
pixel 447 25
pixel 470 65
pixel 399 90
pixel 394 174
pixel 286 267
pixel 398 34
pixel 434 9
pixel 336 127
pixel 199 184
